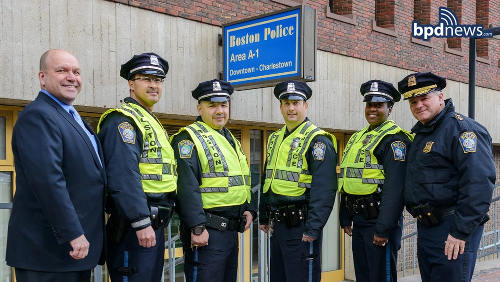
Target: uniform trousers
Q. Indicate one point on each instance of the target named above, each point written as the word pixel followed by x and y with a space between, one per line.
pixel 143 264
pixel 434 265
pixel 216 262
pixel 371 261
pixel 24 275
pixel 291 259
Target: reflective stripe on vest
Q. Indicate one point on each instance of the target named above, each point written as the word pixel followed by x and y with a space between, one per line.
pixel 157 164
pixel 360 172
pixel 225 179
pixel 287 171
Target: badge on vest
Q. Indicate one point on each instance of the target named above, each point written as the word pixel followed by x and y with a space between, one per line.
pixel 367 139
pixel 185 149
pixel 295 143
pixel 399 150
pixel 468 140
pixel 127 132
pixel 319 149
pixel 428 146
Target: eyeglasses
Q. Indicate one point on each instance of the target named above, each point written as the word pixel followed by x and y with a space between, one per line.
pixel 156 80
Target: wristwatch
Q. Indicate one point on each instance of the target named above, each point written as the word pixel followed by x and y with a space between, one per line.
pixel 197 230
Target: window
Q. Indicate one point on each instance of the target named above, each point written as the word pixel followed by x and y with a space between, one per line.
pixel 7 176
pixel 340 7
pixel 482 18
pixel 422 11
pixel 456 7
pixel 341 10
pixel 384 13
pixel 422 14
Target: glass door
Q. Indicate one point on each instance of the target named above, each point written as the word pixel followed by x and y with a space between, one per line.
pixel 7 176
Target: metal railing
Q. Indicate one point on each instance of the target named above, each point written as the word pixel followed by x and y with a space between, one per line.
pixel 489 247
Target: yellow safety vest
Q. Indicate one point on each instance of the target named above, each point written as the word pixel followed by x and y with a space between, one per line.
pixel 225 179
pixel 157 164
pixel 287 171
pixel 360 172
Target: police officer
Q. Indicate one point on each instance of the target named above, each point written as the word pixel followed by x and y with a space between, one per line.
pixel 450 180
pixel 371 181
pixel 214 188
pixel 299 188
pixel 141 174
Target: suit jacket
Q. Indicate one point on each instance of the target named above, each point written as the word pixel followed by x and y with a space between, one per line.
pixel 59 191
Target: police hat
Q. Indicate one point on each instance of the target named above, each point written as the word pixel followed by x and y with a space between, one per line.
pixel 292 90
pixel 379 91
pixel 145 63
pixel 420 83
pixel 213 90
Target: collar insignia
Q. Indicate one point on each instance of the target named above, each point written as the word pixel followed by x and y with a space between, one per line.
pixel 428 146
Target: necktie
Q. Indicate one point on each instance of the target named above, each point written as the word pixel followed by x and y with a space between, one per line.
pixel 79 120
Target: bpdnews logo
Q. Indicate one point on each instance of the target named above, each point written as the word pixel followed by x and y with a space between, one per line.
pixel 447 27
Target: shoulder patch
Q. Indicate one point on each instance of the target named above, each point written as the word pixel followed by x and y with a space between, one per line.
pixel 127 132
pixel 399 150
pixel 318 152
pixel 468 140
pixel 185 149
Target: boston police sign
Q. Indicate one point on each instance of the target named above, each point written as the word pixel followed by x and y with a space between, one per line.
pixel 260 51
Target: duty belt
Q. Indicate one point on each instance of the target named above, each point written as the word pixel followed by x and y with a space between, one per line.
pixel 364 205
pixel 291 215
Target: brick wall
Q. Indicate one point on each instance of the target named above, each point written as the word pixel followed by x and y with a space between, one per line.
pixel 362 40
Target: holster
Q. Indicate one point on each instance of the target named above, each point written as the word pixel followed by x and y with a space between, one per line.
pixel 225 224
pixel 427 215
pixel 160 216
pixel 115 228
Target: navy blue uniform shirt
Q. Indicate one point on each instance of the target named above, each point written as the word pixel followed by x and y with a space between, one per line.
pixel 189 203
pixel 319 199
pixel 450 164
pixel 391 204
pixel 122 163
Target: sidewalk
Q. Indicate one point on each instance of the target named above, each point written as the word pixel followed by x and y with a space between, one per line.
pixel 485 271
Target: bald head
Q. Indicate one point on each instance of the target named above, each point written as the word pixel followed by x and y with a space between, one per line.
pixel 60 75
pixel 46 55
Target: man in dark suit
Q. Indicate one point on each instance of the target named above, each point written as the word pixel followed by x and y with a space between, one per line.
pixel 56 226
